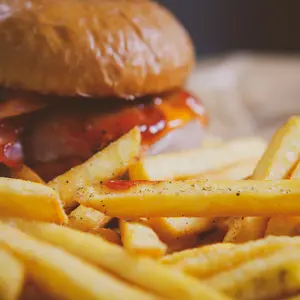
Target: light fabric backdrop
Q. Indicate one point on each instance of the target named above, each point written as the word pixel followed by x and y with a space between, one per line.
pixel 248 94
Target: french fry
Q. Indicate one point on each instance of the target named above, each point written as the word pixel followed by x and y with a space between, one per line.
pixel 264 278
pixel 127 199
pixel 111 162
pixel 282 153
pixel 11 276
pixel 87 219
pixel 277 162
pixel 26 173
pixel 210 141
pixel 138 270
pixel 285 225
pixel 109 235
pixel 169 229
pixel 183 243
pixel 289 226
pixel 30 200
pixel 236 171
pixel 173 228
pixel 61 274
pixel 296 172
pixel 195 162
pixel 245 229
pixel 141 239
pixel 178 257
pixel 213 263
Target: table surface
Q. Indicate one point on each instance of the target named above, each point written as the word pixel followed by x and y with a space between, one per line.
pixel 248 94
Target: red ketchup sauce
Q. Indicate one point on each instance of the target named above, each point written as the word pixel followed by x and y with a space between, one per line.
pixel 63 135
pixel 121 185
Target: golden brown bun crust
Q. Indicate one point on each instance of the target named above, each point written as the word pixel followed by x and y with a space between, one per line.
pixel 92 47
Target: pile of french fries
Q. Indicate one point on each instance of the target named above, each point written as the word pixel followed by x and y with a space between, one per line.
pixel 219 222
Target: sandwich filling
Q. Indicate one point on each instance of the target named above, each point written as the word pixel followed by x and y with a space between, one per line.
pixel 51 134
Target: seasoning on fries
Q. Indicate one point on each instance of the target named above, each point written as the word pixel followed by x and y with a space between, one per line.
pixel 193 198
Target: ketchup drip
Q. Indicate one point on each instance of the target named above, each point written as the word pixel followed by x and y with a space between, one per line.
pixel 59 137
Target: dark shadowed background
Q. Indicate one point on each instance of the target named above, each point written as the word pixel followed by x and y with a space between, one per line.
pixel 219 26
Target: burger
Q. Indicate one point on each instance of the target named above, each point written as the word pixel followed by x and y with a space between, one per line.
pixel 76 75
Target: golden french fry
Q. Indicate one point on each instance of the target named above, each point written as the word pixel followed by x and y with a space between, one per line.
pixel 285 225
pixel 30 200
pixel 194 162
pixel 187 164
pixel 296 172
pixel 110 162
pixel 236 171
pixel 62 274
pixel 277 162
pixel 281 154
pixel 263 278
pixel 183 243
pixel 193 198
pixel 178 257
pixel 205 266
pixel 141 239
pixel 210 141
pixel 139 270
pixel 245 229
pixel 109 235
pixel 11 276
pixel 25 173
pixel 173 228
pixel 87 219
pixel 169 229
pixel 240 170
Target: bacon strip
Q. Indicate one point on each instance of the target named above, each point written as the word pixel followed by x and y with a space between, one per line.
pixel 12 107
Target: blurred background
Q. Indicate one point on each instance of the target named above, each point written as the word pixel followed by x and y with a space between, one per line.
pixel 218 26
pixel 248 71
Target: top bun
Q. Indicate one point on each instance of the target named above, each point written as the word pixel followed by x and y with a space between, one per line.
pixel 98 48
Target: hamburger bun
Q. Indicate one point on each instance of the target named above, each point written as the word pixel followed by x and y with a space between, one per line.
pixel 98 48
